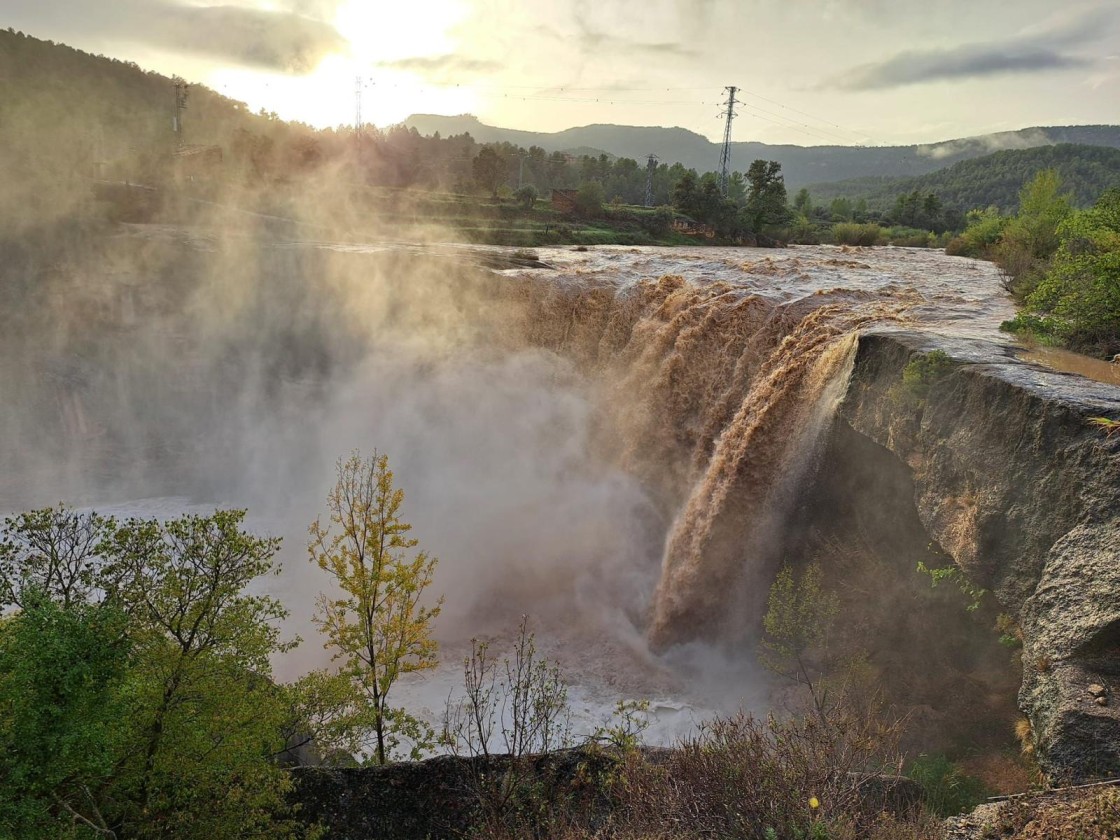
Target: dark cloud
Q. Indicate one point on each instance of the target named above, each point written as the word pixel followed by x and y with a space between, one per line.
pixel 969 61
pixel 1037 52
pixel 275 40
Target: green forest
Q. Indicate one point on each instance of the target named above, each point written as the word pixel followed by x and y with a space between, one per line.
pixel 990 181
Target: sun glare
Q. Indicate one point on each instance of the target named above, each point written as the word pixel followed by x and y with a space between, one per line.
pixel 379 35
pixel 381 32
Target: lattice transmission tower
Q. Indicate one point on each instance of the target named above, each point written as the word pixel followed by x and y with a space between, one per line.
pixel 725 152
pixel 651 167
pixel 182 91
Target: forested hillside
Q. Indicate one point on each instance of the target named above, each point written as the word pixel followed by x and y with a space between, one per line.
pixel 992 180
pixel 801 164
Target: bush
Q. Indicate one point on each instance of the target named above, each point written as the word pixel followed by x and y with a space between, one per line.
pixel 922 372
pixel 527 196
pixel 755 778
pixel 1078 299
pixel 906 237
pixel 946 789
pixel 659 222
pixel 589 199
pixel 985 227
pixel 804 232
pixel 847 233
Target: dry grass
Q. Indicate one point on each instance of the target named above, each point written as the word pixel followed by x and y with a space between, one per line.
pixel 1091 815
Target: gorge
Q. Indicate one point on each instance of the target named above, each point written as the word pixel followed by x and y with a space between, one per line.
pixel 627 444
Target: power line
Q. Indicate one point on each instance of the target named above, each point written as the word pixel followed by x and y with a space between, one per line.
pixel 782 105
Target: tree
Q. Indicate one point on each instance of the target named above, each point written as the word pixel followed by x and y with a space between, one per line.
pixel 589 199
pixel 798 621
pixel 63 719
pixel 1030 239
pixel 135 689
pixel 376 624
pixel 686 194
pixel 208 711
pixel 766 196
pixel 489 170
pixel 840 210
pixel 1079 298
pixel 521 705
pixel 52 552
pixel 527 196
pixel 803 203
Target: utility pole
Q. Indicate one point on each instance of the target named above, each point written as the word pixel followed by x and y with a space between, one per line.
pixel 725 152
pixel 358 108
pixel 651 167
pixel 181 90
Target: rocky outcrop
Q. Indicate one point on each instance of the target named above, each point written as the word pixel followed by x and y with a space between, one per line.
pixel 1013 481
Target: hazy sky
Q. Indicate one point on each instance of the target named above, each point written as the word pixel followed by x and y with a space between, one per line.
pixel 811 71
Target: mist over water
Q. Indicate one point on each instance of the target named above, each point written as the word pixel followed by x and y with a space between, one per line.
pixel 608 446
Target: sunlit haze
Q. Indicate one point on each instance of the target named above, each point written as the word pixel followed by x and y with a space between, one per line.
pixel 837 72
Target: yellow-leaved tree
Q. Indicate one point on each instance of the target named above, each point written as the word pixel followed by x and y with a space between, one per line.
pixel 375 621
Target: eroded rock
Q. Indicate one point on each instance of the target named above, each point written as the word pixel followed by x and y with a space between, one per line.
pixel 1023 492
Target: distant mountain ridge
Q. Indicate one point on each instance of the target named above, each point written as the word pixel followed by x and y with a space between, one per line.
pixel 801 165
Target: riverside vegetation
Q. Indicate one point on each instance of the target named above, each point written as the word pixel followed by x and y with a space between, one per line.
pixel 138 700
pixel 1061 264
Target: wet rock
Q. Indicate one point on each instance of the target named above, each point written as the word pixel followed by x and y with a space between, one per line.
pixel 1022 491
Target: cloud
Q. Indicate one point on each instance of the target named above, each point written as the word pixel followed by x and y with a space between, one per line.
pixel 1025 139
pixel 444 67
pixel 279 40
pixel 595 41
pixel 969 61
pixel 274 40
pixel 1039 51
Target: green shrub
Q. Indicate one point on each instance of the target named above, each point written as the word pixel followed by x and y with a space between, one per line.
pixel 946 789
pixel 527 196
pixel 922 372
pixel 906 237
pixel 1029 240
pixel 1078 299
pixel 804 232
pixel 848 233
pixel 589 199
pixel 659 222
pixel 985 227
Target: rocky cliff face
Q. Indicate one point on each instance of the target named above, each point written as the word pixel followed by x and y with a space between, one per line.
pixel 1012 480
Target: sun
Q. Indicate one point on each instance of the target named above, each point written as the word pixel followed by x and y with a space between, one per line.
pixel 378 34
